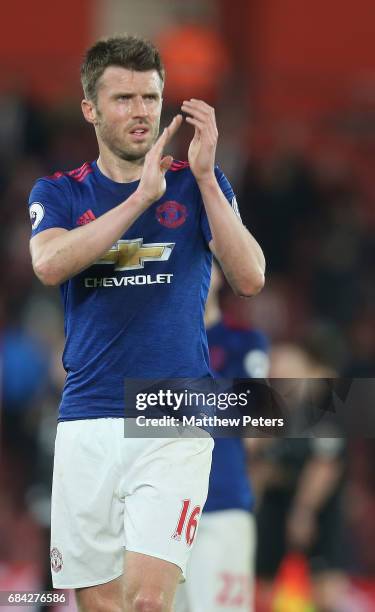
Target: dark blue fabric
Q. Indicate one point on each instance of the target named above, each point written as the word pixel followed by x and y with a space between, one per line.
pixel 233 350
pixel 140 322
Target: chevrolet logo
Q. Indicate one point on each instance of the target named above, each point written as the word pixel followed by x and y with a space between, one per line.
pixel 132 254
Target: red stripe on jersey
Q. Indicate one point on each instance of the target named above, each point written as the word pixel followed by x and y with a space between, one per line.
pixel 179 165
pixel 78 171
pixel 82 177
pixel 177 162
pixel 55 175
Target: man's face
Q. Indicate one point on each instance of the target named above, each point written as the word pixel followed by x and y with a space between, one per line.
pixel 128 111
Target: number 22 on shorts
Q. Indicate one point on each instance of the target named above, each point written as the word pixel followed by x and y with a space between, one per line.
pixel 191 525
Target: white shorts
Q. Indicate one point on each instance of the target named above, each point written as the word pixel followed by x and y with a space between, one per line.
pixel 220 572
pixel 112 493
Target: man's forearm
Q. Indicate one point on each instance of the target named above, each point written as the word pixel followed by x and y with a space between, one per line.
pixel 318 480
pixel 59 258
pixel 238 252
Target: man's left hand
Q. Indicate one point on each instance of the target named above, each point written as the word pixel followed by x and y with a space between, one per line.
pixel 202 148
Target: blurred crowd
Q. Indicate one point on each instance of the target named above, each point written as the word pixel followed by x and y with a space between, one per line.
pixel 312 219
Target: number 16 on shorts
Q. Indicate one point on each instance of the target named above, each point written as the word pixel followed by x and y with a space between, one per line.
pixel 187 522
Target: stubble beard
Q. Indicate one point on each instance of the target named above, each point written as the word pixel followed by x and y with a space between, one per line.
pixel 110 137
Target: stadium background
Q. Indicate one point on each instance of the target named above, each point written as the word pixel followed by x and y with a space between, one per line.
pixel 294 87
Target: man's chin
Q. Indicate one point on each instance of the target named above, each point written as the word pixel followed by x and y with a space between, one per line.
pixel 136 152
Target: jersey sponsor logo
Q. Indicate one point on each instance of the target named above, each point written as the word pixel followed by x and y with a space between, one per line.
pixel 36 214
pixel 56 560
pixel 171 214
pixel 87 217
pixel 132 254
pixel 125 281
pixel 235 206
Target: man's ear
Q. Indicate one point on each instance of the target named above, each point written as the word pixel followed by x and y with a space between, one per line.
pixel 89 111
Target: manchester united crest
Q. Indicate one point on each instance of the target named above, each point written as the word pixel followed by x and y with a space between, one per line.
pixel 56 560
pixel 171 214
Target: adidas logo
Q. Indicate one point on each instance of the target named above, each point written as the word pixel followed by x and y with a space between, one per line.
pixel 87 217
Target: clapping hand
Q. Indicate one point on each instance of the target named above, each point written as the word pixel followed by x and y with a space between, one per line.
pixel 152 184
pixel 202 148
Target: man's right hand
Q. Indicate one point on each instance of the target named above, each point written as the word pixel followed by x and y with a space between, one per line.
pixel 152 184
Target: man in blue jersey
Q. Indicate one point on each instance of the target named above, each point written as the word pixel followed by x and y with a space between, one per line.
pixel 220 572
pixel 129 238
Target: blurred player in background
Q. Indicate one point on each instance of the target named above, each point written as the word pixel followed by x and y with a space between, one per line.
pixel 299 487
pixel 220 576
pixel 129 239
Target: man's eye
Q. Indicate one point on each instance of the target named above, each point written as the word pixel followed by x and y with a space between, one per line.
pixel 123 97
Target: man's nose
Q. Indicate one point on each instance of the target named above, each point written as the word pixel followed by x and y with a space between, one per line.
pixel 139 108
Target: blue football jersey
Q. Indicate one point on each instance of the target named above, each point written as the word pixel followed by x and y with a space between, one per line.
pixel 235 353
pixel 138 311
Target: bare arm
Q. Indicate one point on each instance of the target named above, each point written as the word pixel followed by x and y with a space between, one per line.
pixel 318 481
pixel 238 252
pixel 58 254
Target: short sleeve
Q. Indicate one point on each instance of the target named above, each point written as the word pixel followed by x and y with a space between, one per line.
pixel 227 190
pixel 49 206
pixel 328 448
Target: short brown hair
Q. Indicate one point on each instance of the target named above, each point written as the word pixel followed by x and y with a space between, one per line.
pixel 126 51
